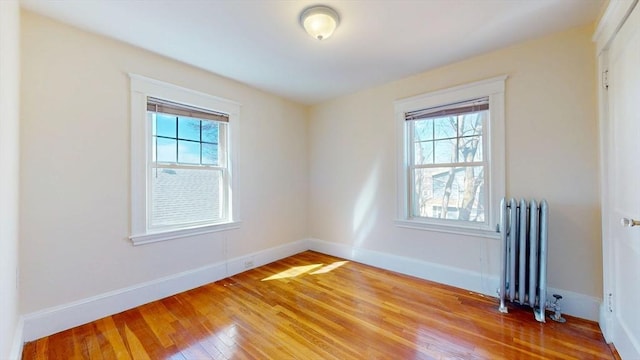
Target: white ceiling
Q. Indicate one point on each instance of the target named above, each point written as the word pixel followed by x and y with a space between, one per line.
pixel 261 43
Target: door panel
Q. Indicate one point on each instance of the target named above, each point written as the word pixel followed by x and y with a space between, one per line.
pixel 624 191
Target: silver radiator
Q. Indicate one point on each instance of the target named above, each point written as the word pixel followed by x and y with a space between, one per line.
pixel 523 274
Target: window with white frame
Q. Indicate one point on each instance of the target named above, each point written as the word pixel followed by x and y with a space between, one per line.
pixel 451 158
pixel 182 163
pixel 188 165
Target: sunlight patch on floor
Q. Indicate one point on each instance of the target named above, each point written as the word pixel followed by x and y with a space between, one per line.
pixel 329 267
pixel 299 270
pixel 293 272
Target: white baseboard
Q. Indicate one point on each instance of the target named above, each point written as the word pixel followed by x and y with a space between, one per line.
pixel 18 343
pixel 618 333
pixel 606 323
pixel 575 304
pixel 55 319
pixel 464 279
pixel 625 341
pixel 256 259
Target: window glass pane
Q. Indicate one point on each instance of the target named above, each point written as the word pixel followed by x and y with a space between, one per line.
pixel 165 125
pixel 183 196
pixel 423 130
pixel 188 128
pixel 188 152
pixel 446 127
pixel 209 154
pixel 470 149
pixel 445 151
pixel 449 193
pixel 154 151
pixel 471 124
pixel 423 153
pixel 210 130
pixel 152 117
pixel 166 150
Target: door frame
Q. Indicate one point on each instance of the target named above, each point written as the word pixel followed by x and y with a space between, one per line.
pixel 610 22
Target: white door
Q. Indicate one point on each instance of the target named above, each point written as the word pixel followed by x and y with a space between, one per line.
pixel 624 186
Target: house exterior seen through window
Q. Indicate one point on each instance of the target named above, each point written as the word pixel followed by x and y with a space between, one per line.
pixel 182 162
pixel 188 170
pixel 451 158
pixel 447 166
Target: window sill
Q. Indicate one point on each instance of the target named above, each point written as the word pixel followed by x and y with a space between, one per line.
pixel 149 238
pixel 458 230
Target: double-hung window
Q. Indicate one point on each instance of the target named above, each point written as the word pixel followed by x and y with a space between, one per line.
pixel 188 165
pixel 451 172
pixel 182 162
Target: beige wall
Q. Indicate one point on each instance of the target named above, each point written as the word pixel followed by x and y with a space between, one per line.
pixel 552 153
pixel 328 171
pixel 9 155
pixel 75 168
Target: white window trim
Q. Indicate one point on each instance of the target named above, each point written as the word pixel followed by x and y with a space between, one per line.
pixel 141 88
pixel 495 152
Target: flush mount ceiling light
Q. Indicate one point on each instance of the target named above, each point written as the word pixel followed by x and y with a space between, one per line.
pixel 319 21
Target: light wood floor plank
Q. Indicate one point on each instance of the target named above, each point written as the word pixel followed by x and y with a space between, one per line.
pixel 315 306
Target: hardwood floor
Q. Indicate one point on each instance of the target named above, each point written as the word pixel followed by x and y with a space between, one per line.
pixel 314 306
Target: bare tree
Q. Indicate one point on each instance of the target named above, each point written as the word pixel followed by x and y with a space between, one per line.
pixel 469 149
pixel 459 184
pixel 421 182
pixel 447 192
pixel 467 146
pixel 452 121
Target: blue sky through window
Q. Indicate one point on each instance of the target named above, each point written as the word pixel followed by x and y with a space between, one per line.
pixel 184 140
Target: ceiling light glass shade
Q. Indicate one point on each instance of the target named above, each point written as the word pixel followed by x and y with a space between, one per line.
pixel 319 21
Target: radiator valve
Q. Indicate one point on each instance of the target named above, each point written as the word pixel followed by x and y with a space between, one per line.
pixel 555 307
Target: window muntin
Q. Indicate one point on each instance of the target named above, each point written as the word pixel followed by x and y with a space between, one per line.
pixel 188 174
pixel 446 137
pixel 184 140
pixel 447 168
